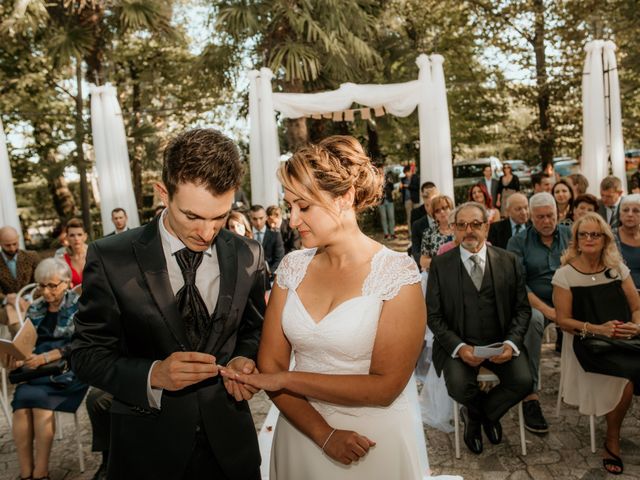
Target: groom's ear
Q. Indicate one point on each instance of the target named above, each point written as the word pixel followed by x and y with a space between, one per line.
pixel 163 193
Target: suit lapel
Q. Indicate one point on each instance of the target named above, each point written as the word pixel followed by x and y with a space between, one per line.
pixel 496 276
pixel 228 263
pixel 150 256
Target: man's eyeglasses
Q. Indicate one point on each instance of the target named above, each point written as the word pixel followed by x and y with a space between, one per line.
pixel 50 286
pixel 594 235
pixel 475 225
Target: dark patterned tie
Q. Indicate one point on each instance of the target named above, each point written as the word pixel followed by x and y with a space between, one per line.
pixel 192 308
pixel 476 272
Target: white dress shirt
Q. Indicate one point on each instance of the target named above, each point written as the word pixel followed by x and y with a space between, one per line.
pixel 207 282
pixel 259 234
pixel 487 183
pixel 465 258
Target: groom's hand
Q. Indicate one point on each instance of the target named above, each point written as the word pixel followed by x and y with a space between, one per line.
pixel 181 369
pixel 236 389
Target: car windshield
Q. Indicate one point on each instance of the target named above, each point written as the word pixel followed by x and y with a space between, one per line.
pixel 468 171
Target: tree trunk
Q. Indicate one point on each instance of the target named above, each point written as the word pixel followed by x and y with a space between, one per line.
pixel 545 147
pixel 80 161
pixel 138 146
pixel 297 133
pixel 63 201
pixel 374 144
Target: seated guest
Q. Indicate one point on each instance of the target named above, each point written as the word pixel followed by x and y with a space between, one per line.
pixel 290 236
pixel 594 295
pixel 563 195
pixel 477 296
pixel 435 237
pixel 610 195
pixel 584 203
pixel 628 235
pixel 16 271
pixel 35 401
pixel 542 182
pixel 238 224
pixel 539 248
pixel 422 219
pixel 578 183
pixel 271 240
pixel 428 190
pixel 517 208
pixel 478 193
pixel 76 254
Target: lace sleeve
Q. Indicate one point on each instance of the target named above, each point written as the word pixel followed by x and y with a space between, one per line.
pixel 389 273
pixel 292 268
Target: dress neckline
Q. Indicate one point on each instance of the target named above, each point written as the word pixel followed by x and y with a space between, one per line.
pixel 340 305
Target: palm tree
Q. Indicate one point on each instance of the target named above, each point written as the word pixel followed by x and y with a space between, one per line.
pixel 308 44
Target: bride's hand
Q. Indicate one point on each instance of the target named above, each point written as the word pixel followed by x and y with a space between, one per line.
pixel 345 446
pixel 269 382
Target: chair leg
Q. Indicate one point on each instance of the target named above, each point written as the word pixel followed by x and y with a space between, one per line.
pixel 58 423
pixel 523 441
pixel 79 441
pixel 4 401
pixel 559 400
pixel 592 432
pixel 456 428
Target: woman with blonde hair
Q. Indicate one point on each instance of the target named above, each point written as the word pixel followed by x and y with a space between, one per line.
pixel 353 314
pixel 598 307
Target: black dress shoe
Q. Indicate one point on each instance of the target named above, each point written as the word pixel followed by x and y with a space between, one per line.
pixel 534 420
pixel 472 431
pixel 493 431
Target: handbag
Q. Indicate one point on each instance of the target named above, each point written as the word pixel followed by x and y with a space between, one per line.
pixel 599 345
pixel 23 374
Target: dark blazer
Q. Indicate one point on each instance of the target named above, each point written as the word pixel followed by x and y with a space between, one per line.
pixel 290 237
pixel 26 265
pixel 273 246
pixel 417 213
pixel 445 312
pixel 417 230
pixel 500 233
pixel 128 318
pixel 615 221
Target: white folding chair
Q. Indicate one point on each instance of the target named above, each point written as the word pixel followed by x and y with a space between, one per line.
pixel 28 290
pixel 490 378
pixel 592 418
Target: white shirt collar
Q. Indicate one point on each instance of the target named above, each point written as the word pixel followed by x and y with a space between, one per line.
pixel 174 242
pixel 466 254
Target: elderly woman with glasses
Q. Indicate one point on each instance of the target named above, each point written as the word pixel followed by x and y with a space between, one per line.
pixel 439 234
pixel 35 400
pixel 598 307
pixel 628 234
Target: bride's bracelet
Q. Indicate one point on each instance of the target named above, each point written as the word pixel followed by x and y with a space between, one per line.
pixel 327 440
pixel 584 331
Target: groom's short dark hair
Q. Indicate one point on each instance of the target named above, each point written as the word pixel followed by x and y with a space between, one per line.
pixel 202 156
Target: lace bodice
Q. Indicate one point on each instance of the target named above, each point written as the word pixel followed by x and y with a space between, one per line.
pixel 342 341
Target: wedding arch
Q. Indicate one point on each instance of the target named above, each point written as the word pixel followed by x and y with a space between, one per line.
pixel 428 93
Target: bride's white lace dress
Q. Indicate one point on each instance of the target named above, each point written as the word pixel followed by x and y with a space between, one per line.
pixel 342 343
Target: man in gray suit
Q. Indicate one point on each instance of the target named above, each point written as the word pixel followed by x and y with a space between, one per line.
pixel 163 306
pixel 490 182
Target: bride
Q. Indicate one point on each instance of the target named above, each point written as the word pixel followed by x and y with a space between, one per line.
pixel 353 314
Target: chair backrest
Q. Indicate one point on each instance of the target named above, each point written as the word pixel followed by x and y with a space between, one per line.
pixel 24 292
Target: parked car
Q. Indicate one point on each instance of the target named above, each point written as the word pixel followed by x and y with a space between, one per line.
pixel 521 170
pixel 563 166
pixel 467 173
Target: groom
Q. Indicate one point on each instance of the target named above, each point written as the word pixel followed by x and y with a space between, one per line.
pixel 476 296
pixel 162 307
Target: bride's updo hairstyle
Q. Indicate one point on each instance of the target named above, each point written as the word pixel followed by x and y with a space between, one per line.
pixel 334 165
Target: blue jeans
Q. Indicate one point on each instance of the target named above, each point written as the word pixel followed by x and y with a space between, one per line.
pixel 387 217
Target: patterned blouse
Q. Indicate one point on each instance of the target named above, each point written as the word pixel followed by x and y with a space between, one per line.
pixel 432 240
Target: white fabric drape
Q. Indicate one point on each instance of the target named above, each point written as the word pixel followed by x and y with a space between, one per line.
pixel 602 119
pixel 428 93
pixel 8 207
pixel 112 157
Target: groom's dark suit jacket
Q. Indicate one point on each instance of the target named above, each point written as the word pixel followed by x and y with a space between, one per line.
pixel 445 305
pixel 128 318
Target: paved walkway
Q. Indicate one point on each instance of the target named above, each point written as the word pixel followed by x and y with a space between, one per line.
pixel 563 453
